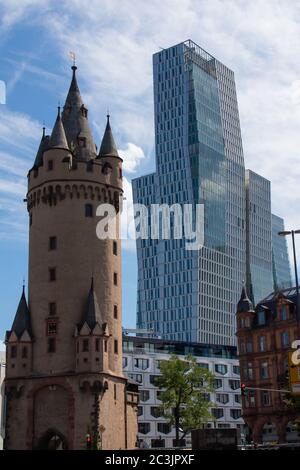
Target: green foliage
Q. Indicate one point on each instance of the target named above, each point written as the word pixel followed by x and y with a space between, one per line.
pixel 184 386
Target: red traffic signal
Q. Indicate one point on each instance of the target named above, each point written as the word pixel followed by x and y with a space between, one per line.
pixel 88 441
pixel 243 390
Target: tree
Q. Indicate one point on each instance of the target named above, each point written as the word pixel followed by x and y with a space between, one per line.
pixel 185 385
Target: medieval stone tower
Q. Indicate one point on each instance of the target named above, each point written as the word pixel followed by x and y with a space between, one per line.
pixel 64 379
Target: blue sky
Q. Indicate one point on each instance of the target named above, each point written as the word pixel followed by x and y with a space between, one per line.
pixel 114 41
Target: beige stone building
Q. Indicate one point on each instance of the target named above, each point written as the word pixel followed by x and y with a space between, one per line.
pixel 64 380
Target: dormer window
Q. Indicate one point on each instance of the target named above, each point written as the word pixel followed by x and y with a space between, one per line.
pixel 84 111
pixel 81 142
pixel 261 317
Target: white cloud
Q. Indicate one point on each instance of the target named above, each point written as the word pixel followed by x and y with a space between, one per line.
pixel 114 42
pixel 132 157
pixel 19 131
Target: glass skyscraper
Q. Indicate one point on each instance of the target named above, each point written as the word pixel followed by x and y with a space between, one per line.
pixel 281 266
pixel 192 295
pixel 258 237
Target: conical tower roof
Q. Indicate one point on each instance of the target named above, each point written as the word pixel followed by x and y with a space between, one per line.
pixel 58 137
pixel 108 146
pixel 75 121
pixel 244 304
pixel 92 314
pixel 22 318
pixel 42 148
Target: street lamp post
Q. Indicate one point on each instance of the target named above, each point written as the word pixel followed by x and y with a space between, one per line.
pixel 283 234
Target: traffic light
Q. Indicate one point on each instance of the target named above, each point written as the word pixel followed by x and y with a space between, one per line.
pixel 88 441
pixel 243 390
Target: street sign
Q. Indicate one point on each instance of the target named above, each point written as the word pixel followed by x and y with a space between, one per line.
pixel 294 375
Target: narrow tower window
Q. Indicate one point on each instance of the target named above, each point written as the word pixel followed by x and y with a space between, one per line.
pixel 97 345
pixel 50 165
pixel 52 309
pixel 88 210
pixel 24 352
pixel 115 279
pixel 115 248
pixel 85 345
pixel 13 352
pixel 52 274
pixel 51 345
pixel 52 243
pixel 30 219
pixel 116 346
pixel 115 311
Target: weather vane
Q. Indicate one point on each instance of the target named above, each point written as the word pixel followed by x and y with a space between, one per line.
pixel 72 55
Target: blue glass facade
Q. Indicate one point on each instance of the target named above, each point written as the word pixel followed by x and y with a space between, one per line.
pixel 259 236
pixel 280 259
pixel 192 295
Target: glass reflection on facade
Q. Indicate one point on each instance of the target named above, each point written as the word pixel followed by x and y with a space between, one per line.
pixel 281 265
pixel 259 236
pixel 192 295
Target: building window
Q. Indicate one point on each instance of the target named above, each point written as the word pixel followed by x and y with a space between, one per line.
pixel 52 309
pixel 249 347
pixel 222 398
pixel 105 346
pixel 165 428
pixel 248 372
pixel 124 362
pixel 285 339
pixel 261 317
pixel 237 398
pixel 52 274
pixel 88 208
pixel 136 377
pixel 234 384
pixel 217 412
pixel 265 398
pixel 283 313
pixel 30 219
pixel 140 411
pixel 153 379
pixel 221 369
pixel 203 365
pixel 157 443
pixel 155 411
pixel 51 345
pixel 235 413
pixel 50 165
pixel 97 345
pixel 236 370
pixel 115 279
pixel 144 395
pixel 250 399
pixel 52 243
pixel 115 391
pixel 116 346
pixel 264 373
pixel 85 345
pixel 143 428
pixel 51 328
pixel 120 173
pixel 115 312
pixel 262 343
pixel 218 383
pixel 24 352
pixel 13 352
pixel 115 248
pixel 141 363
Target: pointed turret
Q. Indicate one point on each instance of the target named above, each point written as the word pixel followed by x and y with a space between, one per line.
pixel 75 121
pixel 92 314
pixel 108 146
pixel 58 137
pixel 22 318
pixel 244 304
pixel 42 148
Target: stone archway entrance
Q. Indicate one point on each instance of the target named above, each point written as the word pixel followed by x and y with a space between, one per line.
pixel 53 440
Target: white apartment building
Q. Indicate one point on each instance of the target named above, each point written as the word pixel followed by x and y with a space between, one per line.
pixel 141 360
